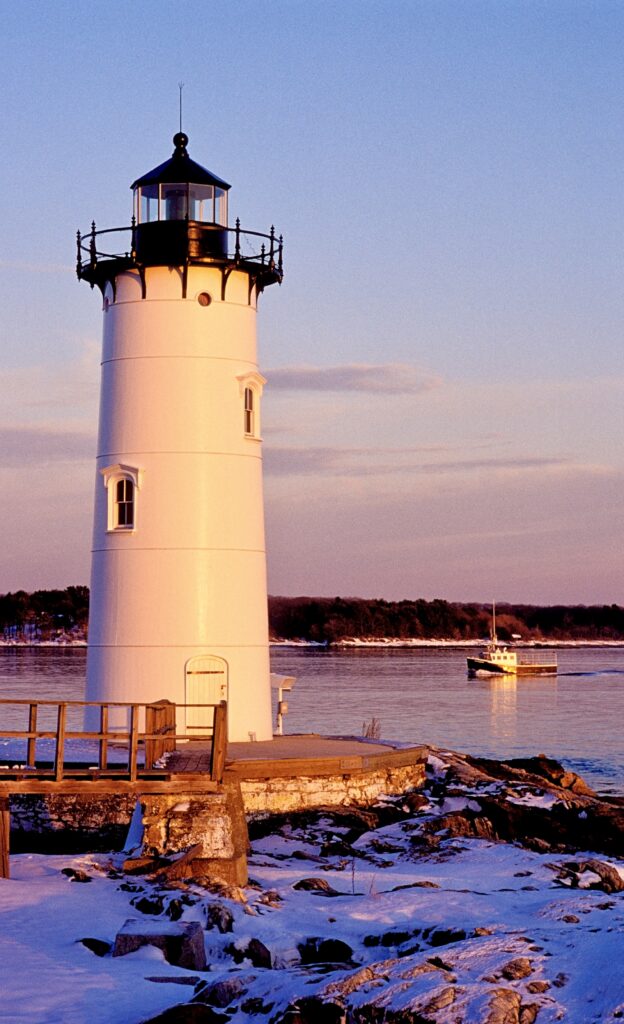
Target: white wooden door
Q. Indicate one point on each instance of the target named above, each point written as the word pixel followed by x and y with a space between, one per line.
pixel 206 684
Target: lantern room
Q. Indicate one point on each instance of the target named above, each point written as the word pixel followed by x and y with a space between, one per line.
pixel 180 203
pixel 180 189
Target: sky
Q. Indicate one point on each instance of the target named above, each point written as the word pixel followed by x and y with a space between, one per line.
pixel 444 413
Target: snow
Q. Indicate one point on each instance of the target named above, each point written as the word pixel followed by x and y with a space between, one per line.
pixel 427 926
pixel 134 838
pixel 545 800
pixel 436 765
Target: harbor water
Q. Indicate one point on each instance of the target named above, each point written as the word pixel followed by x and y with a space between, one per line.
pixel 418 695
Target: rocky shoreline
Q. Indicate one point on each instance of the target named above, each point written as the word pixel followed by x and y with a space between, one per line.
pixel 492 896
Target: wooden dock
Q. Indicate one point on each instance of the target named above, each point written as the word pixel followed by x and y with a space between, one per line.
pixel 135 774
pixel 147 757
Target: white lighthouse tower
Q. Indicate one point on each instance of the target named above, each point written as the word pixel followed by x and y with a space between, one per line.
pixel 178 578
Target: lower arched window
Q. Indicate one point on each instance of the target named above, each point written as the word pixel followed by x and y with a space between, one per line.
pixel 122 484
pixel 249 412
pixel 124 503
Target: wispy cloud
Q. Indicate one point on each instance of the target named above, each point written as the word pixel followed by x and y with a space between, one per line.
pixel 370 462
pixel 29 446
pixel 383 379
pixel 30 392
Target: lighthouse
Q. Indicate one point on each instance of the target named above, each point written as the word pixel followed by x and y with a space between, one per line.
pixel 178 574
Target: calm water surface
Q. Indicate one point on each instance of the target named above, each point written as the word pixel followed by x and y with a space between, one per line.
pixel 420 696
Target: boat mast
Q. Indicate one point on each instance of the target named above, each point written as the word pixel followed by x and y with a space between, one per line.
pixel 494 638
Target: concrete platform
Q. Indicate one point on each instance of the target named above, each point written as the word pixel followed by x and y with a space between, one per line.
pixel 303 754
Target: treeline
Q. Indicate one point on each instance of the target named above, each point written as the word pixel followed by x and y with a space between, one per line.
pixel 327 620
pixel 45 614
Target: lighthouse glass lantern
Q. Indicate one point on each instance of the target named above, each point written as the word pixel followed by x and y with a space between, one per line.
pixel 178 577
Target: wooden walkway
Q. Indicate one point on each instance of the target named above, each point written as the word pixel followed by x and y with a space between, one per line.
pixel 157 760
pixel 119 728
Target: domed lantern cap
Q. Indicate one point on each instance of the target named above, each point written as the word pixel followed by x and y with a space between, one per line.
pixel 181 188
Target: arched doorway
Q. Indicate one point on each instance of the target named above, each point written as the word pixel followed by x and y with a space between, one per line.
pixel 206 684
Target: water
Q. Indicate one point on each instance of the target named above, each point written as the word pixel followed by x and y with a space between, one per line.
pixel 419 696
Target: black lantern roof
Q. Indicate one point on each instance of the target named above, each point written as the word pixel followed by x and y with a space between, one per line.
pixel 181 168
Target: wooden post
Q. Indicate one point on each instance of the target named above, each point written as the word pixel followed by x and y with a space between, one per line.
pixel 59 756
pixel 134 742
pixel 103 759
pixel 5 831
pixel 219 742
pixel 169 727
pixel 32 740
pixel 152 724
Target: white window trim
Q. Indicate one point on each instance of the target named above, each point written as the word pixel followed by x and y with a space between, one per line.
pixel 111 475
pixel 255 382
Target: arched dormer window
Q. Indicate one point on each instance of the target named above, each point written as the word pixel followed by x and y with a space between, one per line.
pixel 122 484
pixel 251 385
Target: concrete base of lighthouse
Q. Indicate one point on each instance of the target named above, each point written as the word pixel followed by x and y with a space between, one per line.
pixel 189 676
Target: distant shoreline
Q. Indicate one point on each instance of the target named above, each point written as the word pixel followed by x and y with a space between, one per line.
pixel 355 643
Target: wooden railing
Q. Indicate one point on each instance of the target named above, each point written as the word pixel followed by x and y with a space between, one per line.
pixel 157 738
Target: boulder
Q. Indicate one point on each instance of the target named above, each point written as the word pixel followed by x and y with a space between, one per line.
pixel 174 909
pixel 97 946
pixel 516 969
pixel 173 979
pixel 504 1007
pixel 220 917
pixel 258 953
pixel 325 951
pixel 607 878
pixel 549 769
pixel 188 1013
pixel 319 885
pixel 181 942
pixel 221 993
pixel 444 936
pixel 148 904
pixel 312 1010
pixel 76 876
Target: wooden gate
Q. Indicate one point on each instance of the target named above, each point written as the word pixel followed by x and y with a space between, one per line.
pixel 206 684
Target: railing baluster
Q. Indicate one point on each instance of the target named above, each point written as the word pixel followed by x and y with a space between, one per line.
pixel 78 253
pixel 59 756
pixel 134 742
pixel 31 754
pixel 279 255
pixel 237 246
pixel 103 758
pixel 152 726
pixel 92 248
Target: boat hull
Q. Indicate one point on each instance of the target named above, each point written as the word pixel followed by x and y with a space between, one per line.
pixel 482 666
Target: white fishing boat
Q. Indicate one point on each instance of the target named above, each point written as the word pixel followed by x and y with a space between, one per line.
pixel 501 659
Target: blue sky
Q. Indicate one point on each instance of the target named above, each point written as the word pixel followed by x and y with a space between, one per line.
pixel 444 409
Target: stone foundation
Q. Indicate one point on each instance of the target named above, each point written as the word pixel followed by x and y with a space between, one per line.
pixel 352 789
pixel 69 823
pixel 215 821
